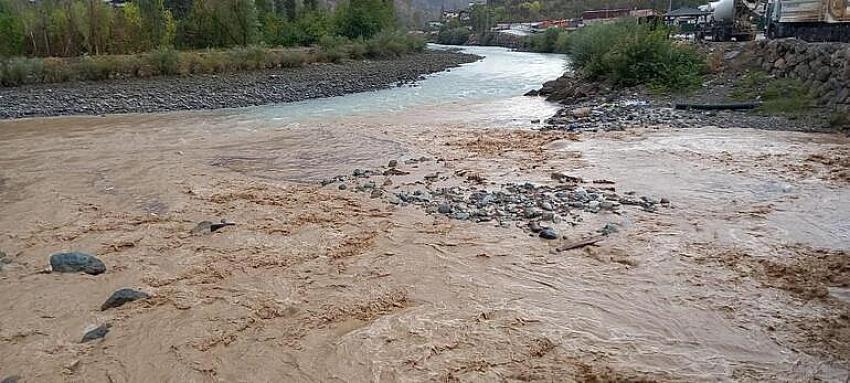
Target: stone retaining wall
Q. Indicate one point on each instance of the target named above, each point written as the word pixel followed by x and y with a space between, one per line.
pixel 824 68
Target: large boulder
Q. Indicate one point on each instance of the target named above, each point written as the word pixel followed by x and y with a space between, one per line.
pixel 74 262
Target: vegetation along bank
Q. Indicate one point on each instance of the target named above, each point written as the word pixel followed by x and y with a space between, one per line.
pixel 625 74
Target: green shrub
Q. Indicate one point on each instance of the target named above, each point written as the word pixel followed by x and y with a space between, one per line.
pixel 293 59
pixel 164 61
pixel 393 44
pixel 454 36
pixel 629 54
pixel 547 41
pixel 486 38
pixel 839 119
pixel 357 49
pixel 785 96
pixel 386 45
pixel 214 62
pixel 19 71
pixel 778 95
pixel 415 43
pixel 562 45
pixel 95 68
pixel 191 63
pixel 750 86
pixel 56 70
pixel 130 65
pixel 251 57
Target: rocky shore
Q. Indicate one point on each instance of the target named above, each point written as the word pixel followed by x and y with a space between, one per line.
pixel 597 106
pixel 222 91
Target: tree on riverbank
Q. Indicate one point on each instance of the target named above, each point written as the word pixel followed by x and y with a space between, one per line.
pixel 66 28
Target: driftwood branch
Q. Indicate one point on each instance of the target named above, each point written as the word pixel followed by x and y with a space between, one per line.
pixel 580 243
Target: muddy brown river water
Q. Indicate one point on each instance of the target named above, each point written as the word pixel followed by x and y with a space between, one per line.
pixel 743 277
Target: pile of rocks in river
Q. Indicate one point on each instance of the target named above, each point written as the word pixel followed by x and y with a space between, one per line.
pixel 535 208
pixel 626 113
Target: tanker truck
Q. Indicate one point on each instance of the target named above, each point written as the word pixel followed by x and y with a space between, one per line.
pixel 728 19
pixel 810 20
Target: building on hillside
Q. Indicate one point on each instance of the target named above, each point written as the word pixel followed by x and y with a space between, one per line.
pixel 611 15
pixel 565 24
pixel 603 15
pixel 452 14
pixel 434 25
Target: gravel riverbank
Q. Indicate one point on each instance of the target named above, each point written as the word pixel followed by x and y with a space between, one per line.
pixel 222 91
pixel 595 106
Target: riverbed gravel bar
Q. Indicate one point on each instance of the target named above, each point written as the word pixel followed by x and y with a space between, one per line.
pixel 222 91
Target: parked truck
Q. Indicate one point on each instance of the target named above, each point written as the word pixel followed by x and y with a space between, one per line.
pixel 810 20
pixel 728 19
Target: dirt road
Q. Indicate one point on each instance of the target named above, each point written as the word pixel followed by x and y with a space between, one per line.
pixel 742 276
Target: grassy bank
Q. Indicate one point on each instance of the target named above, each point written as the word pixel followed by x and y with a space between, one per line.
pixel 166 61
pixel 778 95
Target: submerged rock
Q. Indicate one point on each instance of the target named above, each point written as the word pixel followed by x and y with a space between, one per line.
pixel 96 334
pixel 74 262
pixel 3 260
pixel 608 229
pixel 207 227
pixel 548 233
pixel 123 296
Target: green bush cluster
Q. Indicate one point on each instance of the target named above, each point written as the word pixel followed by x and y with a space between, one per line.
pixel 628 54
pixel 552 40
pixel 387 44
pixel 168 61
pixel 453 36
